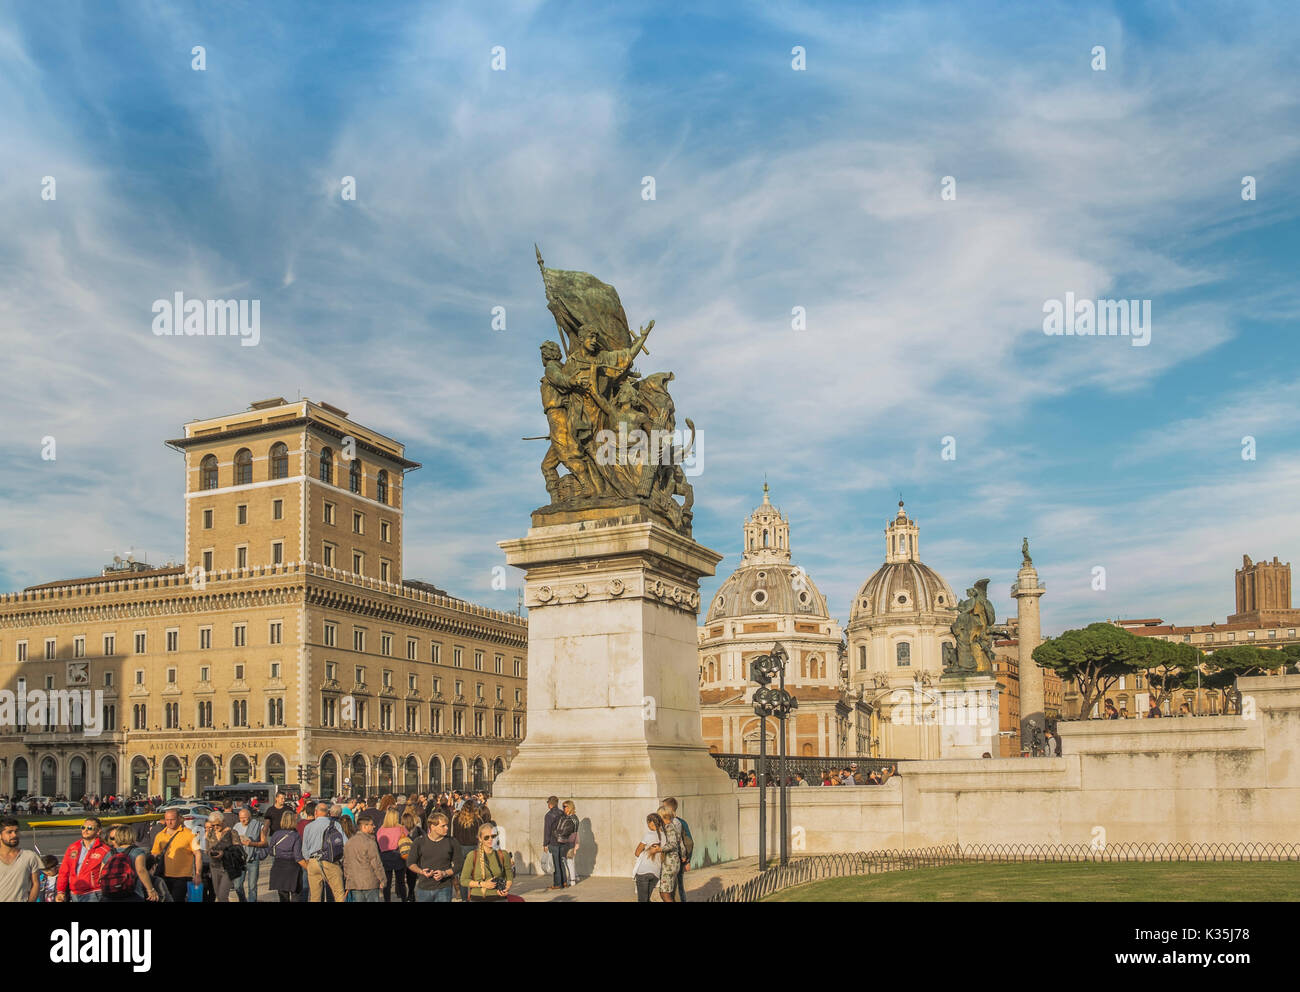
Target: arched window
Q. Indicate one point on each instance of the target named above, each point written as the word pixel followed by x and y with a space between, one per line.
pixel 498 767
pixel 903 652
pixel 76 779
pixel 108 776
pixel 205 774
pixel 171 777
pixel 411 775
pixel 480 774
pixel 765 538
pixel 329 776
pixel 239 770
pixel 385 774
pixel 326 465
pixel 20 777
pixel 49 776
pixel 358 775
pixel 354 476
pixel 275 769
pixel 243 467
pixel 208 472
pixel 435 774
pixel 457 774
pixel 279 460
pixel 139 777
pixel 381 487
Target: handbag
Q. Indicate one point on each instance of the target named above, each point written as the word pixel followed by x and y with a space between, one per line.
pixel 194 891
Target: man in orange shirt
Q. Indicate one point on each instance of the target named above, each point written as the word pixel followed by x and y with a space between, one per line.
pixel 181 855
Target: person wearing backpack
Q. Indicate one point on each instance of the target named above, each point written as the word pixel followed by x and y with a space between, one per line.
pixel 124 876
pixel 322 846
pixel 250 834
pixel 287 862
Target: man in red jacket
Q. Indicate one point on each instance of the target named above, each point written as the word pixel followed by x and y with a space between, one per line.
pixel 79 872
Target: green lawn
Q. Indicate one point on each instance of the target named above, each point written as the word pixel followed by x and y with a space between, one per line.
pixel 1087 882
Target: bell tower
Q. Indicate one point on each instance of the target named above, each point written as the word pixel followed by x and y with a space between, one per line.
pixel 901 538
pixel 767 533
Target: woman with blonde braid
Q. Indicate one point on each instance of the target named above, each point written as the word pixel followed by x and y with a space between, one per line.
pixel 488 874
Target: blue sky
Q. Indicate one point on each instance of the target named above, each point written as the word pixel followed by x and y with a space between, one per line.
pixel 775 188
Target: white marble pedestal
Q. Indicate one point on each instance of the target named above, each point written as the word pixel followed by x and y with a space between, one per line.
pixel 613 690
pixel 968 717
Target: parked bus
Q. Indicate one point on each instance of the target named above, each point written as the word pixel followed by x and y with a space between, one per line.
pixel 263 792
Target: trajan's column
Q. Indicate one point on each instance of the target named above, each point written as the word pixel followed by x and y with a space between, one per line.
pixel 1026 592
pixel 612 586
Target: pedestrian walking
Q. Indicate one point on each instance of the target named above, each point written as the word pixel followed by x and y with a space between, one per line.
pixel 288 866
pixel 181 855
pixel 649 858
pixel 79 871
pixel 464 831
pixel 322 846
pixel 431 861
pixel 389 838
pixel 250 835
pixel 20 870
pixel 362 868
pixel 124 875
pixel 225 859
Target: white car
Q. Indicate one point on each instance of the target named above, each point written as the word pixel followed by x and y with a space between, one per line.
pixel 25 805
pixel 68 809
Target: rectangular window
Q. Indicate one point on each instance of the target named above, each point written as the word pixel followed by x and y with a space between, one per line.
pixel 435 721
pixel 171 676
pixel 386 645
pixel 1272 635
pixel 385 532
pixel 275 669
pixel 360 673
pixel 141 641
pixel 110 645
pixel 205 638
pixel 328 556
pixel 276 634
pixel 358 639
pixel 458 723
pixel 329 711
pixel 499 662
pixel 519 726
pixel 51 648
pixel 412 719
pixel 207 561
pixel 358 523
pixel 1232 635
pixel 173 640
pixel 478 724
pixel 331 670
pixel 241 635
pixel 519 696
pixel 358 562
pixel 458 658
pixel 241 513
pixel 239 673
pixel 207 519
pixel 386 716
pixel 277 552
pixel 204 714
pixel 460 688
pixel 519 667
pixel 79 646
pixel 205 673
pixel 478 661
pixel 277 509
pixel 241 556
pixel 435 652
pixel 1250 634
pixel 275 712
pixel 498 724
pixel 139 676
pixel 501 694
pixel 437 685
pixel 862 657
pixel 331 635
pixel 388 678
pixel 329 513
pixel 478 690
pixel 361 715
pixel 412 648
pixel 383 570
pixel 412 682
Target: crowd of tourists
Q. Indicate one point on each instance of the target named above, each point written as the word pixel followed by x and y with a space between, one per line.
pixel 390 849
pixel 848 775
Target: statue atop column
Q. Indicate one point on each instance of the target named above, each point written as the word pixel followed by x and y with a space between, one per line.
pixel 614 431
pixel 973 652
pixel 1024 552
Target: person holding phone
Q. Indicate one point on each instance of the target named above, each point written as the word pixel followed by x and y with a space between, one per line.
pixel 431 859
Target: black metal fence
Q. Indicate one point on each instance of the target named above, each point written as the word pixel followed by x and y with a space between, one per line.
pixel 811 768
pixel 823 866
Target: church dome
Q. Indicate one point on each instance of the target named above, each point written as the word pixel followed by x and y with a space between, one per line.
pixel 766 582
pixel 904 584
pixel 902 587
pixel 754 589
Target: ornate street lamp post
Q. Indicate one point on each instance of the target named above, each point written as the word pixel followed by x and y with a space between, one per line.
pixel 769 701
